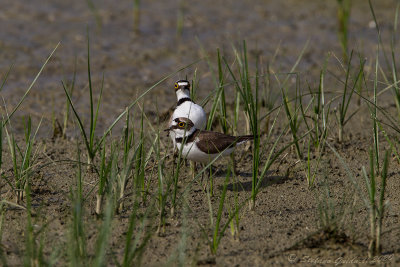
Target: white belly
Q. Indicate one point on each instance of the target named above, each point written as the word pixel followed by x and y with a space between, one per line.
pixel 192 111
pixel 192 152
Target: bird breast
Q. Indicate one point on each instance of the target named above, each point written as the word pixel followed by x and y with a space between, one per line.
pixel 192 111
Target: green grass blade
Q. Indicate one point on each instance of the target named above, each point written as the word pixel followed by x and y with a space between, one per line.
pixel 104 234
pixel 379 33
pixel 5 77
pixel 120 116
pixel 81 127
pixel 90 94
pixel 219 213
pixel 30 87
pixel 384 176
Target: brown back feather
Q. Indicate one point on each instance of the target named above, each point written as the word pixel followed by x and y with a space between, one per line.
pixel 214 142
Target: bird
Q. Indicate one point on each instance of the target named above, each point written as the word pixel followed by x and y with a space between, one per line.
pixel 186 108
pixel 201 145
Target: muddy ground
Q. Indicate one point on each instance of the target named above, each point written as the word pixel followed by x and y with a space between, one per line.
pixel 284 227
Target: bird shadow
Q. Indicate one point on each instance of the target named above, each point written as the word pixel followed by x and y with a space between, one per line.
pixel 267 180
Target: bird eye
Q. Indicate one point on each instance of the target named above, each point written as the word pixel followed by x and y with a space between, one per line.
pixel 181 124
pixel 176 86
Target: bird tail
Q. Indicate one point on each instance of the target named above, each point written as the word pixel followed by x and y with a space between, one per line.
pixel 244 138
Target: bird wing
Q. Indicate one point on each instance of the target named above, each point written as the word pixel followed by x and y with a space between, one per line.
pixel 214 142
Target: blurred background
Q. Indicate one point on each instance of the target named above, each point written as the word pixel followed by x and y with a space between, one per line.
pixel 136 43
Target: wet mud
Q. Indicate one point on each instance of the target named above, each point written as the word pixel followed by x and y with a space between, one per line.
pixel 284 228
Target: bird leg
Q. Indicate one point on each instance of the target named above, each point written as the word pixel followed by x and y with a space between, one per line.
pixel 203 183
pixel 233 163
pixel 211 180
pixel 193 169
pixel 174 156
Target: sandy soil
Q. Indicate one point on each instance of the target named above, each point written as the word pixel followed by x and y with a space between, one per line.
pixel 284 228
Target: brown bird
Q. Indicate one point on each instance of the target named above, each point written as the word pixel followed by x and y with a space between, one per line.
pixel 203 146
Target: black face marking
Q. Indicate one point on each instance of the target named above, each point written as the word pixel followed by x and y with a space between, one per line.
pixel 188 139
pixel 182 123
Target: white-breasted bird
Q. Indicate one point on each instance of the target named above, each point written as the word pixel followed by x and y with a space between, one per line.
pixel 186 108
pixel 203 146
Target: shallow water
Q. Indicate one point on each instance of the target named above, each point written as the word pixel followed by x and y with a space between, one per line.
pixel 286 212
pixel 131 61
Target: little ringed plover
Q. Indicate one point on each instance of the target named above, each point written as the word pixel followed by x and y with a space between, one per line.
pixel 203 146
pixel 186 108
